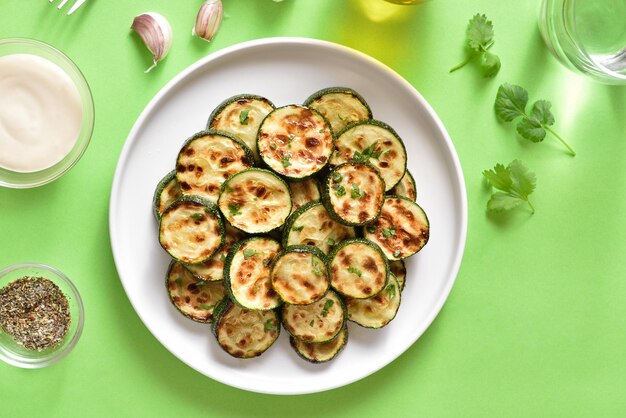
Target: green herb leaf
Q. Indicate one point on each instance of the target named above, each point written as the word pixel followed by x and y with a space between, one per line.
pixel 269 325
pixel 197 216
pixel 479 37
pixel 396 253
pixel 179 281
pixel 233 209
pixel 490 64
pixel 355 192
pixel 531 129
pixel 331 242
pixel 327 305
pixel 243 116
pixel 391 290
pixel 371 229
pixel 337 177
pixel 317 269
pixel 511 102
pixel 366 154
pixel 340 191
pixel 297 228
pixel 285 161
pixel 248 252
pixel 389 232
pixel 355 270
pixel 205 307
pixel 272 145
pixel 200 284
pixel 267 262
pixel 515 182
pixel 222 257
pixel 321 131
pixel 312 322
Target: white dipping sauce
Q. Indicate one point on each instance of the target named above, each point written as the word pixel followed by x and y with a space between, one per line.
pixel 40 113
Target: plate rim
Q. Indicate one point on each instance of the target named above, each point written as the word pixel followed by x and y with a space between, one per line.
pixel 458 171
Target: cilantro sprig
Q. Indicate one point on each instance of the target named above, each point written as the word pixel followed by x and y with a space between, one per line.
pixel 365 155
pixel 243 116
pixel 479 38
pixel 510 104
pixel 516 183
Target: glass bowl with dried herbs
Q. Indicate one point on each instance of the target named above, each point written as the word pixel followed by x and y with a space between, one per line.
pixel 41 315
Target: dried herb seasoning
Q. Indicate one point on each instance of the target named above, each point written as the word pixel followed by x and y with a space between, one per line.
pixel 34 312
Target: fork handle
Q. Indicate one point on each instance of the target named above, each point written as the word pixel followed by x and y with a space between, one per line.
pixel 76 6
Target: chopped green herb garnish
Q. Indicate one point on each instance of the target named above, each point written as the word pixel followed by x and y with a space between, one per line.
pixel 366 154
pixel 205 307
pixel 200 284
pixel 355 270
pixel 298 228
pixel 371 229
pixel 197 216
pixel 331 242
pixel 255 289
pixel 396 253
pixel 207 210
pixel 317 270
pixel 233 208
pixel 179 281
pixel 285 161
pixel 516 184
pixel 312 322
pixel 340 191
pixel 321 131
pixel 248 252
pixel 391 290
pixel 355 192
pixel 337 177
pixel 329 303
pixel 269 325
pixel 272 145
pixel 389 232
pixel 243 116
pixel 222 257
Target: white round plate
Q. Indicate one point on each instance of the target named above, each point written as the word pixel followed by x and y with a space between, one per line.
pixel 285 70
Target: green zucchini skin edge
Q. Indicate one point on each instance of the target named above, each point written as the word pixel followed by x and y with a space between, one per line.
pixel 266 171
pixel 405 272
pixel 411 178
pixel 344 90
pixel 344 311
pixel 159 190
pixel 218 311
pixel 212 207
pixel 326 190
pixel 167 275
pixel 291 219
pixel 380 124
pixel 296 179
pixel 370 244
pixel 392 277
pixel 293 339
pixel 206 132
pixel 220 107
pixel 229 261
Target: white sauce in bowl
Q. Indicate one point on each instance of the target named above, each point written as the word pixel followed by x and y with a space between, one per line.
pixel 40 113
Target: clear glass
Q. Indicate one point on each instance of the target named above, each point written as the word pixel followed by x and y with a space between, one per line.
pixel 14 179
pixel 588 36
pixel 15 354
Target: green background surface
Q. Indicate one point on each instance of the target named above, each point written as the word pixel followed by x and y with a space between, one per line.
pixel 536 322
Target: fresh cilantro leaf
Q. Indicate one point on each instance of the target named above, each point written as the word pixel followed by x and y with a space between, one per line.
pixel 389 232
pixel 515 183
pixel 510 104
pixel 355 270
pixel 197 216
pixel 317 269
pixel 223 257
pixel 312 322
pixel 479 37
pixel 179 281
pixel 391 291
pixel 297 228
pixel 243 116
pixel 321 131
pixel 233 209
pixel 205 307
pixel 371 229
pixel 331 242
pixel 255 289
pixel 365 155
pixel 248 252
pixel 327 305
pixel 269 325
pixel 340 191
pixel 396 253
pixel 337 177
pixel 355 192
pixel 285 161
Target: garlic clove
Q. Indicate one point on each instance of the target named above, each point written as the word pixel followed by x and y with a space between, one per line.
pixel 156 33
pixel 208 20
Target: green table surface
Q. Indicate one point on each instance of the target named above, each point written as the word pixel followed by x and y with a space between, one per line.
pixel 536 322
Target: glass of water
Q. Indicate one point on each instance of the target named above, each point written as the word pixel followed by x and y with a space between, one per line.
pixel 588 36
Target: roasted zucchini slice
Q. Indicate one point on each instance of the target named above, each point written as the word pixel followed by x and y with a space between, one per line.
pixel 354 193
pixel 295 141
pixel 207 159
pixel 166 192
pixel 303 192
pixel 358 268
pixel 244 333
pixel 317 322
pixel 377 311
pixel 320 352
pixel 194 298
pixel 247 273
pixel 213 268
pixel 191 229
pixel 398 269
pixel 312 225
pixel 241 116
pixel 405 187
pixel 401 230
pixel 341 106
pixel 299 274
pixel 255 201
pixel 373 142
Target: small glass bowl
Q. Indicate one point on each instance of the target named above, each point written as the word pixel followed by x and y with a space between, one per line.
pixel 18 180
pixel 15 354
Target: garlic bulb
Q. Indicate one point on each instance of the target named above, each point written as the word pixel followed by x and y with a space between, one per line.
pixel 156 33
pixel 208 20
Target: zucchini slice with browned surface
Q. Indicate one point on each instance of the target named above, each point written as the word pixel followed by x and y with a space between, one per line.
pixel 244 333
pixel 207 159
pixel 341 106
pixel 374 142
pixel 377 311
pixel 194 298
pixel 213 268
pixel 166 192
pixel 191 229
pixel 303 192
pixel 255 201
pixel 247 273
pixel 320 352
pixel 401 230
pixel 405 187
pixel 358 268
pixel 299 274
pixel 312 225
pixel 241 116
pixel 398 269
pixel 354 193
pixel 295 141
pixel 316 322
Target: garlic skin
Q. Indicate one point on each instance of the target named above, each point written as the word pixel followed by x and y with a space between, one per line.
pixel 156 33
pixel 208 20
